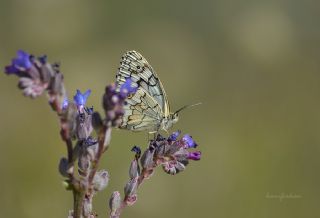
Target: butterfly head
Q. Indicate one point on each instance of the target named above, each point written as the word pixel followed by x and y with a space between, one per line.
pixel 174 117
pixel 169 121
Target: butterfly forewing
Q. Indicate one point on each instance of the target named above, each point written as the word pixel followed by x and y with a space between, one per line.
pixel 135 66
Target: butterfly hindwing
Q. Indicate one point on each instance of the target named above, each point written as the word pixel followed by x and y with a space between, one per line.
pixel 142 112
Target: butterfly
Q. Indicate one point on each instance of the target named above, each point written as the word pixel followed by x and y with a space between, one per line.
pixel 148 108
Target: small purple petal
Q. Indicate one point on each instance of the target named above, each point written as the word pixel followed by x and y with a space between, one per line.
pixel 22 60
pixel 174 136
pixel 196 155
pixel 87 94
pixel 81 99
pixel 136 149
pixel 43 59
pixel 127 88
pixel 20 63
pixel 190 143
pixel 11 70
pixel 89 110
pixel 90 141
pixel 65 103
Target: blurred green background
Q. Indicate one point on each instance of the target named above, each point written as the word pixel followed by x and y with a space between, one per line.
pixel 253 64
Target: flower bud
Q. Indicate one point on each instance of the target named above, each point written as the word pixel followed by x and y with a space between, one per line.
pixel 179 166
pixel 31 88
pixel 114 203
pixel 131 187
pixel 67 185
pixel 97 121
pixel 174 136
pixel 84 127
pixel 101 180
pixel 130 200
pixel 169 168
pixel 69 123
pixel 196 155
pixel 92 151
pixel 63 167
pixel 134 169
pixel 56 84
pixel 147 159
pixel 47 73
pixel 87 207
pixel 136 149
pixel 83 164
pixel 188 141
pixel 81 131
pixel 88 124
pixel 181 155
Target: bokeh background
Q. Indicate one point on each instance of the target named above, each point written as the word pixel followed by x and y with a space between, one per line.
pixel 253 64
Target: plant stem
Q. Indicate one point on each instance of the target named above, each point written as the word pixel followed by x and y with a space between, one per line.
pixel 69 150
pixel 78 197
pixel 100 151
pixel 144 174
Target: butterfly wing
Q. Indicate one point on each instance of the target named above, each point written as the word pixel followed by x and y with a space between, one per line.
pixel 135 66
pixel 142 112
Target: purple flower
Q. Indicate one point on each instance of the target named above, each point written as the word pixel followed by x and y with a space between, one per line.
pixel 89 110
pixel 20 63
pixel 65 103
pixel 11 69
pixel 43 59
pixel 113 105
pixel 127 88
pixel 90 141
pixel 136 149
pixel 174 136
pixel 81 99
pixel 196 155
pixel 190 143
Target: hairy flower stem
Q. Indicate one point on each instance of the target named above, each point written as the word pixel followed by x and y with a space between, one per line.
pixel 70 151
pixel 77 191
pixel 78 197
pixel 144 174
pixel 101 149
pixel 80 191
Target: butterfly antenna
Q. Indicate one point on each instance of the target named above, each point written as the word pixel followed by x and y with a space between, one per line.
pixel 187 106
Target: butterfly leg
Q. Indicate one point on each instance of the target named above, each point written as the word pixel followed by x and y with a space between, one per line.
pixel 154 135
